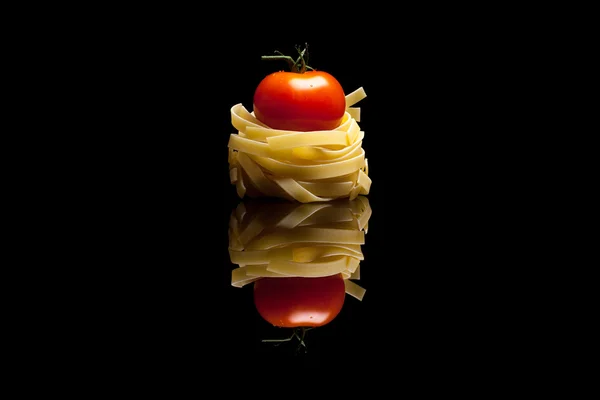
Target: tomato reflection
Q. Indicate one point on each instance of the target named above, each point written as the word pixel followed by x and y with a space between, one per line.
pixel 299 302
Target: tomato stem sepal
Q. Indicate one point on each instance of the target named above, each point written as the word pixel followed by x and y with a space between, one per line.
pixel 298 333
pixel 299 65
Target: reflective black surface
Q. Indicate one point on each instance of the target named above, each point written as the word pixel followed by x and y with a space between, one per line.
pixel 426 266
pixel 193 199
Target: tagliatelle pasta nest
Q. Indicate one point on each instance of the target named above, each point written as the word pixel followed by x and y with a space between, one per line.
pixel 307 167
pixel 304 240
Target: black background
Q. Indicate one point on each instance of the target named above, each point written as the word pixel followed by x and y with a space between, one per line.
pixel 429 267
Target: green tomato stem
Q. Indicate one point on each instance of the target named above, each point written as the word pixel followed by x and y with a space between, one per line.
pixel 298 65
pixel 280 340
pixel 298 333
pixel 289 60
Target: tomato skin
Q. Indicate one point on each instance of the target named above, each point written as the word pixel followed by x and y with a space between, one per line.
pixel 309 101
pixel 294 302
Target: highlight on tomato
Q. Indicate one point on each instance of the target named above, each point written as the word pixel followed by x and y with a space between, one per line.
pixel 299 302
pixel 302 99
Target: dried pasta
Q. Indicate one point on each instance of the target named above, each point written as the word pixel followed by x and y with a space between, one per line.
pixel 306 167
pixel 281 239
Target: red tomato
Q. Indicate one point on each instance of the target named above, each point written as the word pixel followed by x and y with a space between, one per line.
pixel 299 302
pixel 309 101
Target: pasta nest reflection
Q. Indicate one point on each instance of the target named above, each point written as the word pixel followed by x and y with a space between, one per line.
pixel 283 239
pixel 302 166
